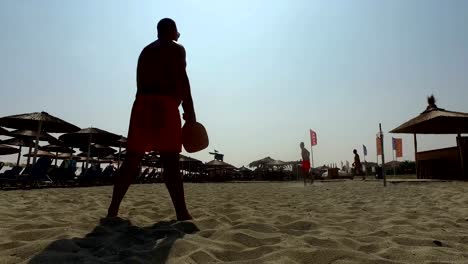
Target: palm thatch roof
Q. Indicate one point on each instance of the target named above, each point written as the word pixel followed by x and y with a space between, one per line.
pixel 219 164
pixel 435 120
pixel 31 121
pixel 261 162
pixel 7 150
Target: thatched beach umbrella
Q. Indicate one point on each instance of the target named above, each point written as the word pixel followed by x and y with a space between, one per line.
pixel 87 136
pixel 435 121
pixel 20 142
pixel 4 132
pixel 33 135
pixel 40 153
pixel 218 164
pixel 7 150
pixel 57 149
pixel 38 121
pixel 261 163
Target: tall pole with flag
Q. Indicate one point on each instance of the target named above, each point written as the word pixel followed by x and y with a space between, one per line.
pixel 364 150
pixel 397 149
pixel 381 136
pixel 313 142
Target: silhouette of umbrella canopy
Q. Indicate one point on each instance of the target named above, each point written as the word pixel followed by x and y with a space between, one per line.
pixel 64 156
pixel 57 148
pixel 435 121
pixel 262 162
pixel 4 132
pixel 98 150
pixel 7 150
pixel 41 153
pixel 243 168
pixel 31 134
pixel 31 121
pixel 94 135
pixel 38 121
pixel 219 164
pixel 21 142
pixel 276 163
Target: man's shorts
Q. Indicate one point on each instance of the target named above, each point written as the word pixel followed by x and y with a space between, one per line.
pixel 305 166
pixel 155 125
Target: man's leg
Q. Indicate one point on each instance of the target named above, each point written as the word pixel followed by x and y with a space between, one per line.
pixel 304 176
pixel 126 174
pixel 174 184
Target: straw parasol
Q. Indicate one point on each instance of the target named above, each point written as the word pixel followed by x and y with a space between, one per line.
pixel 20 142
pixel 435 121
pixel 4 132
pixel 57 149
pixel 7 150
pixel 244 169
pixel 87 136
pixel 22 133
pixel 40 153
pixel 38 121
pixel 219 164
pixel 261 162
pixel 31 134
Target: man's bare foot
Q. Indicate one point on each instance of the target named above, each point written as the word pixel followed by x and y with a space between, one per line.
pixel 184 216
pixel 112 212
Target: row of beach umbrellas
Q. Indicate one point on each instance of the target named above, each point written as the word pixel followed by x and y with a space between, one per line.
pixel 31 128
pixel 34 127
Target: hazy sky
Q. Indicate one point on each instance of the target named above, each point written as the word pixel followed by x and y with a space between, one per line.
pixel 262 72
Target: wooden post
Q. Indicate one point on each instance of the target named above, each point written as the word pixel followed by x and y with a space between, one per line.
pixel 416 155
pixel 462 160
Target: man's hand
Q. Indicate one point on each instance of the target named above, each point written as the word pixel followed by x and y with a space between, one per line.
pixel 189 117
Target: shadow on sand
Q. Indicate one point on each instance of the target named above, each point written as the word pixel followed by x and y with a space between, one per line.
pixel 118 241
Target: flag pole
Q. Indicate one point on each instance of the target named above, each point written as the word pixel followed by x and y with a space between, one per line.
pixel 393 152
pixel 383 155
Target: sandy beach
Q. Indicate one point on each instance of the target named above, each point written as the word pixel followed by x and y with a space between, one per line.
pixel 330 222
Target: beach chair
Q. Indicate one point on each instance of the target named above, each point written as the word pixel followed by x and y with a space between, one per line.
pixel 10 177
pixel 38 176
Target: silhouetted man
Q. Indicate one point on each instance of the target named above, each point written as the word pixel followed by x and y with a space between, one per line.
pixel 155 125
pixel 305 166
pixel 357 165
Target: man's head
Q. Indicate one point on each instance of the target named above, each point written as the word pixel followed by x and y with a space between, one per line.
pixel 167 29
pixel 302 145
pixel 355 151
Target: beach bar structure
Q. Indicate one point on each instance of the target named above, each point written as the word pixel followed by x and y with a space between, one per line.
pixel 447 163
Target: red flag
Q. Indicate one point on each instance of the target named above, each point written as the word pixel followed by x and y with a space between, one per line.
pixel 379 145
pixel 313 138
pixel 398 142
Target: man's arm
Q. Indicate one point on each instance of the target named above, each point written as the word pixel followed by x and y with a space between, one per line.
pixel 187 101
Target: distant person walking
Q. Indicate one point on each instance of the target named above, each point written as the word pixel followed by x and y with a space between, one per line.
pixel 305 165
pixel 357 165
pixel 155 125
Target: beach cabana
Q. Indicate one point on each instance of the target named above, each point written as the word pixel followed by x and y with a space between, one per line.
pixel 446 163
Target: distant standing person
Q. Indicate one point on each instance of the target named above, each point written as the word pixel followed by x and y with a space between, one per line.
pixel 155 125
pixel 305 164
pixel 357 165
